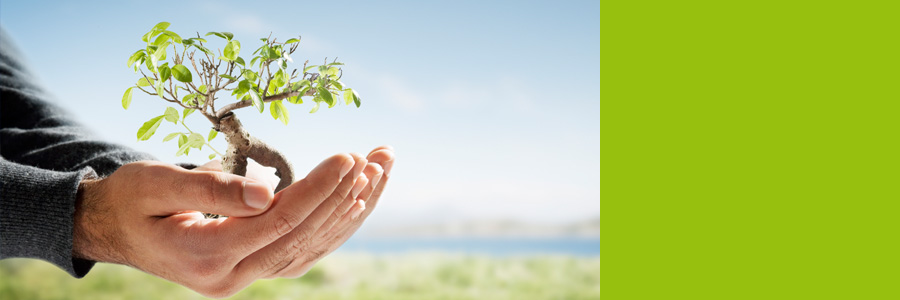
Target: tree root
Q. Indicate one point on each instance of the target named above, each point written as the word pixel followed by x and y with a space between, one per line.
pixel 242 146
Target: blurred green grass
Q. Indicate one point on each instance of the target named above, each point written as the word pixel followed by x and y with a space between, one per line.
pixel 339 276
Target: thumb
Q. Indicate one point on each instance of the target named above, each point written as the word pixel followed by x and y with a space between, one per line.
pixel 217 193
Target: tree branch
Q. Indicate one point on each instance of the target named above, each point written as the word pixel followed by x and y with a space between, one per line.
pixel 241 104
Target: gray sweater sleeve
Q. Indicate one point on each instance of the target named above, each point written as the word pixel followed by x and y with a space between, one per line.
pixel 44 155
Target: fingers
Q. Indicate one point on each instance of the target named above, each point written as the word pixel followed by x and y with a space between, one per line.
pixel 374 171
pixel 327 241
pixel 278 255
pixel 342 209
pixel 384 157
pixel 175 189
pixel 291 206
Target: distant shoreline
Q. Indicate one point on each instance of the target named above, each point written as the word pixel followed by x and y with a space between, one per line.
pixel 492 246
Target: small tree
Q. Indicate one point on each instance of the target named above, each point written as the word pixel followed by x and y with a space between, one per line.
pixel 214 75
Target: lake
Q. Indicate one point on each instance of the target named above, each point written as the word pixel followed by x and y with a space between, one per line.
pixel 470 245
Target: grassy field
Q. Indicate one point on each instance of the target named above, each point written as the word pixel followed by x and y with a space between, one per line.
pixel 340 276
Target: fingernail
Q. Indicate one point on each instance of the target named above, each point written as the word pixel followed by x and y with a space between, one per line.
pixel 256 195
pixel 358 211
pixel 358 187
pixel 387 167
pixel 375 180
pixel 345 168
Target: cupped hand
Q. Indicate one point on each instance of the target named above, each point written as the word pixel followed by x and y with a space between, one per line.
pixel 147 215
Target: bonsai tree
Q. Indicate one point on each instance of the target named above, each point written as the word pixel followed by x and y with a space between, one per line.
pixel 187 73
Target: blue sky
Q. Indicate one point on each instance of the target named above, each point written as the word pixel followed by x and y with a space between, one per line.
pixel 492 106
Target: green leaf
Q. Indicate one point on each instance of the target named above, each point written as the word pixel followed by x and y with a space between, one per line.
pixel 202 89
pixel 240 61
pixel 334 97
pixel 126 99
pixel 270 90
pixel 279 112
pixel 182 140
pixel 146 36
pixel 315 108
pixel 356 99
pixel 175 37
pixel 151 63
pixel 161 26
pixel 160 39
pixel 348 96
pixel 229 77
pixel 332 71
pixel 164 72
pixel 159 89
pixel 338 84
pixel 303 91
pixel 149 128
pixel 326 96
pixel 183 148
pixel 136 56
pixel 172 136
pixel 273 110
pixel 278 79
pixel 160 53
pixel 204 49
pixel 253 61
pixel 211 156
pixel 299 84
pixel 144 82
pixel 196 140
pixel 243 87
pixel 257 100
pixel 306 70
pixel 224 35
pixel 323 70
pixel 187 99
pixel 232 49
pixel 212 134
pixel 336 64
pixel 250 75
pixel 295 100
pixel 187 112
pixel 291 41
pixel 271 53
pixel 171 115
pixel 182 73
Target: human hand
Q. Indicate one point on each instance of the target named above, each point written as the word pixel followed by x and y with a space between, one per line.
pixel 145 215
pixel 337 228
pixel 255 171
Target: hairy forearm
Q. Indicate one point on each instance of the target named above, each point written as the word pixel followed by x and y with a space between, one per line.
pixel 94 230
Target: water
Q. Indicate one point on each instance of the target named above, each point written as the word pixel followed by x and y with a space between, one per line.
pixel 488 246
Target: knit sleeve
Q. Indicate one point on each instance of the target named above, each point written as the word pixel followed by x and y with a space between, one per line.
pixel 36 215
pixel 44 155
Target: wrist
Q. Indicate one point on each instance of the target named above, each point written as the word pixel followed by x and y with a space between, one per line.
pixel 91 238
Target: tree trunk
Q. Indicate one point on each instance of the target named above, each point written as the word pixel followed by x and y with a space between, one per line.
pixel 242 146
